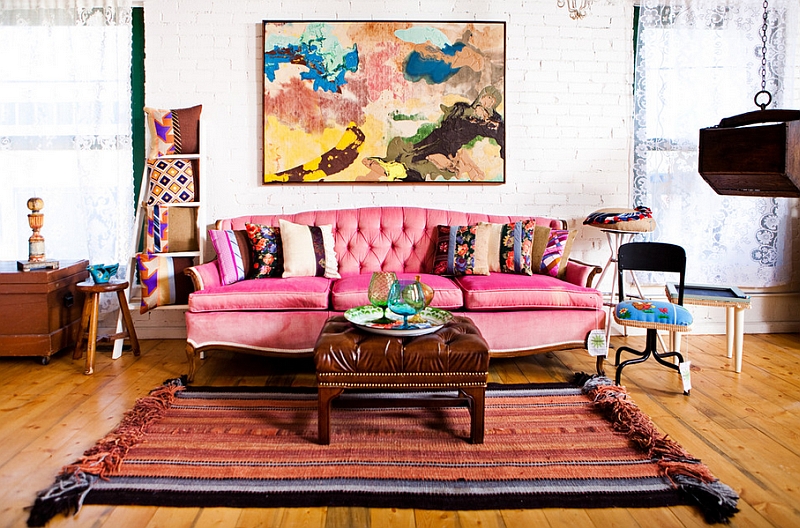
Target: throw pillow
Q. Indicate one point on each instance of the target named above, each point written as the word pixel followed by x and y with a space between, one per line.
pixel 308 251
pixel 170 181
pixel 510 245
pixel 173 131
pixel 157 234
pixel 639 219
pixel 233 254
pixel 554 261
pixel 267 251
pixel 163 281
pixel 461 250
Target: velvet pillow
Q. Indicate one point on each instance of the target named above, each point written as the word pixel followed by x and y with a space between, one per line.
pixel 173 131
pixel 556 253
pixel 233 254
pixel 461 250
pixel 308 251
pixel 170 181
pixel 266 251
pixel 163 281
pixel 509 246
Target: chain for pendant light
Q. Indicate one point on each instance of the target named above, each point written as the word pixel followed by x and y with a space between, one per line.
pixel 764 91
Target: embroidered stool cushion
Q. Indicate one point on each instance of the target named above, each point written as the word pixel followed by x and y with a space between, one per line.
pixel 661 315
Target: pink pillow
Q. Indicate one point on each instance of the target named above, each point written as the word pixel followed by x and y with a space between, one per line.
pixel 233 254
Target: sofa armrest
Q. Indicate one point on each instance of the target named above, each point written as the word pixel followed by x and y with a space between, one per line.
pixel 204 275
pixel 581 273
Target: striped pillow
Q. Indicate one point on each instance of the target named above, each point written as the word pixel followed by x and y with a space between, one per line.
pixel 233 254
pixel 556 253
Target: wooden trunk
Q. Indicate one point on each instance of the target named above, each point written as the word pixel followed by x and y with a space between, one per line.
pixel 40 310
pixel 752 154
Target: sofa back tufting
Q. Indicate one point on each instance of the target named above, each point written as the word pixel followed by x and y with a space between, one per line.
pixel 399 239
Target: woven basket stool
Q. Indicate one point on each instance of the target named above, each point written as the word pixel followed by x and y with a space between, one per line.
pixel 455 357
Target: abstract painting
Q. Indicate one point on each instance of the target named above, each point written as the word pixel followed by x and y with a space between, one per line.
pixel 399 102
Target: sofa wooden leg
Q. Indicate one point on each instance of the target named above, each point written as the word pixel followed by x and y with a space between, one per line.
pixel 600 369
pixel 191 355
pixel 325 396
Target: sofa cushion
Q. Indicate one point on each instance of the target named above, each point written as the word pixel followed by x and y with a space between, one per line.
pixel 462 250
pixel 349 292
pixel 266 249
pixel 295 293
pixel 308 251
pixel 556 254
pixel 509 246
pixel 500 291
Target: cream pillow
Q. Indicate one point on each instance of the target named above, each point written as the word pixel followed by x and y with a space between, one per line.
pixel 308 251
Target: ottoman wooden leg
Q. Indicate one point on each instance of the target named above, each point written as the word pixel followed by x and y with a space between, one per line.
pixel 324 397
pixel 477 398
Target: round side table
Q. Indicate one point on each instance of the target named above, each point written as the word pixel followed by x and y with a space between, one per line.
pixel 91 311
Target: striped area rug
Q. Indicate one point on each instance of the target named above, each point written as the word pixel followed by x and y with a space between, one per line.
pixel 553 445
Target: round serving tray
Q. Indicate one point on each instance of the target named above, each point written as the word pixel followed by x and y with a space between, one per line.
pixel 364 316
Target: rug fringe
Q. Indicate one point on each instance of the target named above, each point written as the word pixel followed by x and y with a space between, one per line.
pixel 76 479
pixel 716 500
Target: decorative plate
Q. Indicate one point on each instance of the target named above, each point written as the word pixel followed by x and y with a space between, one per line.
pixel 430 320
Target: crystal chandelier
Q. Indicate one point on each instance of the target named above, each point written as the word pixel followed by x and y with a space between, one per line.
pixel 577 8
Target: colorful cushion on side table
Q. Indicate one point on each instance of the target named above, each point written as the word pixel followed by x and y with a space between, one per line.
pixel 170 181
pixel 661 315
pixel 462 250
pixel 173 131
pixel 639 219
pixel 233 254
pixel 308 251
pixel 266 251
pixel 163 281
pixel 510 246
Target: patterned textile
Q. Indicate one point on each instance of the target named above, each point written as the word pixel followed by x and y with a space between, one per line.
pixel 554 252
pixel 308 251
pixel 546 445
pixel 171 181
pixel 639 219
pixel 267 250
pixel 163 281
pixel 233 248
pixel 461 250
pixel 663 315
pixel 157 233
pixel 510 245
pixel 173 131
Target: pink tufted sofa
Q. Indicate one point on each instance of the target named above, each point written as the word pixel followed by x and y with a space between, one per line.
pixel 517 314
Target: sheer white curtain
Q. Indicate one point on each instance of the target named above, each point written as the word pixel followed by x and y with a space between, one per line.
pixel 699 61
pixel 65 127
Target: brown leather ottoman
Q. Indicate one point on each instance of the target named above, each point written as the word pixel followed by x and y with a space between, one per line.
pixel 454 357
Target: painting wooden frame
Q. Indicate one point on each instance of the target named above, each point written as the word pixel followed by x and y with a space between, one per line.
pixel 384 102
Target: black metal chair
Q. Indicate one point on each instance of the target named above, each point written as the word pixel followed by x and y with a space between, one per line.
pixel 649 314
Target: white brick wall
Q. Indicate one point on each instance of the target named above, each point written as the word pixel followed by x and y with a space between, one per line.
pixel 567 106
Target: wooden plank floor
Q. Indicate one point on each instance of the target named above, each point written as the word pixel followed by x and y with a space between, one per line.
pixel 745 427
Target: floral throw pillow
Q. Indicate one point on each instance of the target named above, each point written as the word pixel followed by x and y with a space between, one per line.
pixel 267 251
pixel 461 250
pixel 509 246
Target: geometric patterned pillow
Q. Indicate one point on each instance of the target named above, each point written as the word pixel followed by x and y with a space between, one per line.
pixel 233 254
pixel 266 251
pixel 461 250
pixel 171 181
pixel 553 260
pixel 157 233
pixel 173 131
pixel 163 281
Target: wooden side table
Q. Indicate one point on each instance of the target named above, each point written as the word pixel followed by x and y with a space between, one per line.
pixel 40 310
pixel 91 311
pixel 734 300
